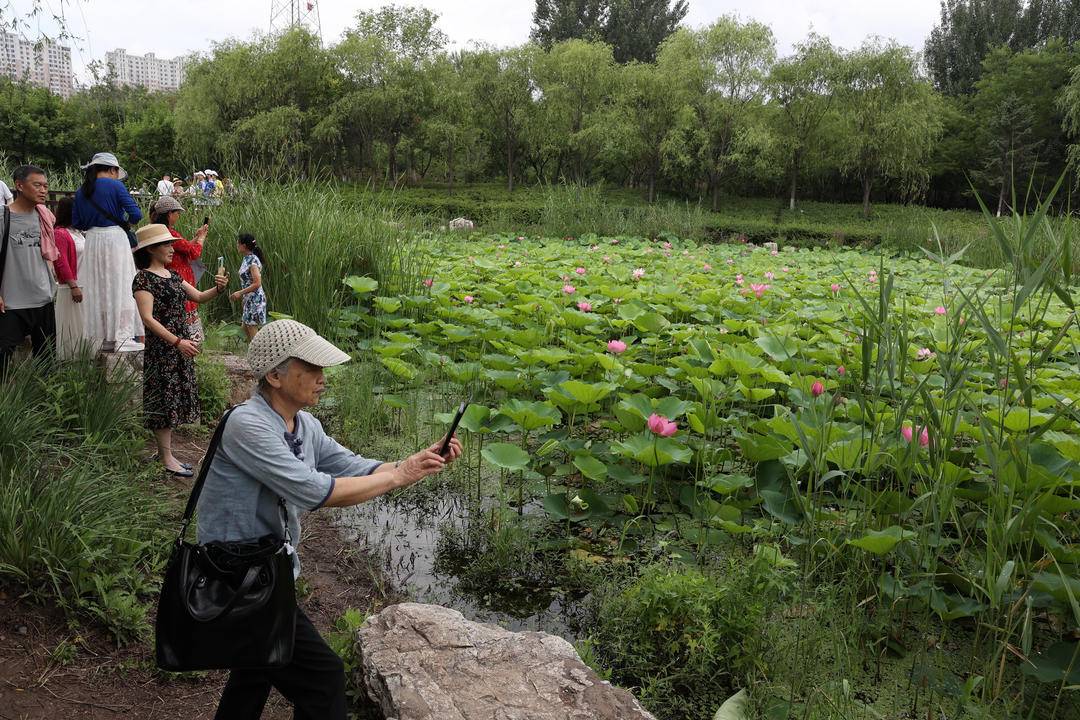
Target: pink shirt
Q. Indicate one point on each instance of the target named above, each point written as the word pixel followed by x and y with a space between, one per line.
pixel 66 262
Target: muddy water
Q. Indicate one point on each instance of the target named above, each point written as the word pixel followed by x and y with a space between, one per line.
pixel 403 533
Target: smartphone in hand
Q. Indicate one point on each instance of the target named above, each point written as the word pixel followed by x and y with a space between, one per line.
pixel 444 450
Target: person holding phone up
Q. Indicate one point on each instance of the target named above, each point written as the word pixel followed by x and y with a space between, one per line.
pixel 170 393
pixel 166 211
pixel 274 462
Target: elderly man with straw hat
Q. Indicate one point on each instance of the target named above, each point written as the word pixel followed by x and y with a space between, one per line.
pixel 275 461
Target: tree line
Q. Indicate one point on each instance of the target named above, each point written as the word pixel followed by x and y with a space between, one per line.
pixel 697 113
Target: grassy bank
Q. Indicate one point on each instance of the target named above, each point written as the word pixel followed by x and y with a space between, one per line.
pixel 560 211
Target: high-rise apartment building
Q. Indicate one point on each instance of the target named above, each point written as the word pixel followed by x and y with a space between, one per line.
pixel 44 64
pixel 148 71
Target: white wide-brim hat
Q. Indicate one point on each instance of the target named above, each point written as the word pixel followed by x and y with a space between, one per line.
pixel 152 234
pixel 281 340
pixel 108 160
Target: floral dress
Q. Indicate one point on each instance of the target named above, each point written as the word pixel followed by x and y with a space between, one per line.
pixel 254 303
pixel 170 393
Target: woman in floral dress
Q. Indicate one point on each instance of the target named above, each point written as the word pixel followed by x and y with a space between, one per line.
pixel 170 393
pixel 252 293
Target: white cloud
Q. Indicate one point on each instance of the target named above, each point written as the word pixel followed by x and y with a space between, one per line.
pixel 170 28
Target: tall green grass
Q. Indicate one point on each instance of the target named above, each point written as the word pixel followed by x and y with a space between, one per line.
pixel 77 526
pixel 314 236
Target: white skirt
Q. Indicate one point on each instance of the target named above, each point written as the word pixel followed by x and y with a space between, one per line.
pixel 105 274
pixel 70 329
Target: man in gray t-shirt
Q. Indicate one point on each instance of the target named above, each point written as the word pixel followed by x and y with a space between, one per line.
pixel 27 287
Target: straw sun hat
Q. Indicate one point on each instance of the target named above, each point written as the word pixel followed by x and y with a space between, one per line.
pixel 280 340
pixel 152 234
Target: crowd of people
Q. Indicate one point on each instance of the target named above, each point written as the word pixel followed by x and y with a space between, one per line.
pixel 85 278
pixel 205 184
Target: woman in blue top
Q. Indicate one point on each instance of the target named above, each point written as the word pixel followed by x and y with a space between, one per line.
pixel 102 203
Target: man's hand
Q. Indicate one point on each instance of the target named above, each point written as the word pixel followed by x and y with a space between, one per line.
pixel 417 467
pixel 3 307
pixel 76 294
pixel 453 452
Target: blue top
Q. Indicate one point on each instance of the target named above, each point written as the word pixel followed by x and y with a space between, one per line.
pixel 258 461
pixel 112 196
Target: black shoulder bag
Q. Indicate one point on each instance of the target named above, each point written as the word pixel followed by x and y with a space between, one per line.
pixel 124 224
pixel 226 605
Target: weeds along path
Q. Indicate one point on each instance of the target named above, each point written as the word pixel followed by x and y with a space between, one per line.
pixel 50 669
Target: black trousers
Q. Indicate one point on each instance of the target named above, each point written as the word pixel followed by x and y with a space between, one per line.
pixel 314 682
pixel 39 323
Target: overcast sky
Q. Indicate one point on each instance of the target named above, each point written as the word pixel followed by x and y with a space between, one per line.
pixel 170 28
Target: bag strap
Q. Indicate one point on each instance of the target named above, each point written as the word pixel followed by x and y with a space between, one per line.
pixel 204 469
pixel 4 242
pixel 124 224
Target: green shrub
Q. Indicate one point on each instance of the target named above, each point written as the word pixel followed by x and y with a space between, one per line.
pixel 215 389
pixel 684 638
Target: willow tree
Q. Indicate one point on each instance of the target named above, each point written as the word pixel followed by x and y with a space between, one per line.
pixel 803 90
pixel 890 117
pixel 724 68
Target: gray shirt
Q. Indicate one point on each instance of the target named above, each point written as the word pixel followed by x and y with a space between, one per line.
pixel 27 282
pixel 255 466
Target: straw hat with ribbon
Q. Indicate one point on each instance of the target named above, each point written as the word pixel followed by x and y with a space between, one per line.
pixel 149 235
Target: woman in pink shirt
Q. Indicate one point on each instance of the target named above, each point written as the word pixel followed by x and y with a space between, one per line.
pixel 69 296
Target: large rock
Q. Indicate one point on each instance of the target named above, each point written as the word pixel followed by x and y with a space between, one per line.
pixel 421 662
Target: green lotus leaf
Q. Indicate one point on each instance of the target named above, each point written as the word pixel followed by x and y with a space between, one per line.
pixel 399 367
pixel 361 285
pixel 530 415
pixel 881 542
pixel 653 451
pixel 590 467
pixel 505 456
pixel 388 304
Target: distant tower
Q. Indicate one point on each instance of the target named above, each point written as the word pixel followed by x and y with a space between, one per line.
pixel 289 14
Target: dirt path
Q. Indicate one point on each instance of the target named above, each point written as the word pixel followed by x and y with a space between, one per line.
pixel 50 671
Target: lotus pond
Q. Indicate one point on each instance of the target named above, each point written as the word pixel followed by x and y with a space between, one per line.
pixel 901 433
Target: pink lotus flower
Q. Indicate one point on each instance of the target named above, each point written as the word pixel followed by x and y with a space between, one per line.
pixel 924 437
pixel 769 276
pixel 940 310
pixel 616 346
pixel 706 267
pixel 593 247
pixel 731 261
pixel 584 306
pixel 924 354
pixel 835 287
pixel 758 289
pixel 564 278
pixel 841 371
pixel 786 269
pixel 774 253
pixel 907 433
pixel 1003 383
pixel 428 282
pixel 520 238
pixel 580 270
pixel 569 289
pixel 468 299
pixel 502 247
pixel 660 425
pixel 817 388
pixel 638 273
pixel 615 241
pixel 739 279
pixel 606 258
pixel 667 246
pixel 517 263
